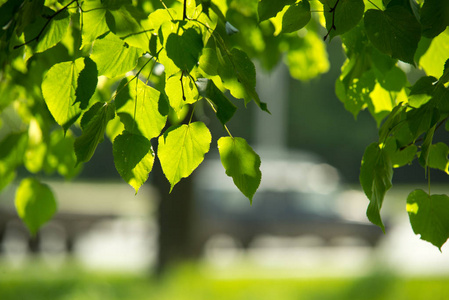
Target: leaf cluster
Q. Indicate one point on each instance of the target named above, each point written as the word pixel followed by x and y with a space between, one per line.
pixel 135 71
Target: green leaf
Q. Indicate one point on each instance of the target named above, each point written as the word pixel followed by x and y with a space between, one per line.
pixel 113 56
pixel 225 108
pixel 421 119
pixel 241 163
pixel 87 83
pixel 126 22
pixel 94 21
pixel 37 149
pixel 445 77
pixel 268 8
pixel 184 50
pixel 61 156
pixel 239 77
pixel 307 57
pixel 12 151
pixel 381 102
pixel 424 85
pixel 433 60
pixel 180 90
pixel 342 15
pixel 376 174
pixel 8 9
pixel 393 80
pixel 64 85
pixel 395 32
pixel 429 216
pixel 52 34
pixel 13 147
pixel 425 148
pixel 209 61
pixel 35 203
pixel 133 158
pixel 141 108
pixel 355 91
pixel 434 17
pixel 438 157
pixel 182 149
pixel 296 17
pixel 93 131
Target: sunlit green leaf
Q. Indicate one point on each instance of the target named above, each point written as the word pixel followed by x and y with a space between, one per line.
pixel 93 131
pixel 182 149
pixel 35 203
pixel 113 56
pixel 52 33
pixel 141 108
pixel 239 76
pixel 133 158
pixel 94 21
pixel 376 174
pixel 64 85
pixel 37 149
pixel 241 163
pixel 429 216
pixel 181 89
pixel 129 24
pixel 268 8
pixel 436 55
pixel 209 61
pixel 307 57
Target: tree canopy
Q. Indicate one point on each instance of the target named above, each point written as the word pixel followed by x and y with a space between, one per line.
pixel 74 71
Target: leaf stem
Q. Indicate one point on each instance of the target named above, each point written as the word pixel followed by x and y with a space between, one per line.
pixel 50 18
pixel 374 4
pixel 184 11
pixel 213 108
pixel 182 86
pixel 126 84
pixel 166 8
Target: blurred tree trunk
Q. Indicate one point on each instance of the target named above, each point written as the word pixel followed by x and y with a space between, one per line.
pixel 175 218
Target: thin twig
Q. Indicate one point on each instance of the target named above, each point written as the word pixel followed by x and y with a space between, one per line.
pixel 332 10
pixel 182 86
pixel 50 18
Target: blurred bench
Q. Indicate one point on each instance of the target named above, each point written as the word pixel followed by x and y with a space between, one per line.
pixel 81 206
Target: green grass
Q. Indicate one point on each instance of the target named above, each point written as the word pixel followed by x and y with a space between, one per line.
pixel 37 281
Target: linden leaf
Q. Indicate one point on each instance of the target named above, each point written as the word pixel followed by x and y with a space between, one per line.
pixel 182 149
pixel 133 158
pixel 141 108
pixel 241 163
pixel 35 203
pixel 376 174
pixel 394 31
pixel 113 56
pixel 429 216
